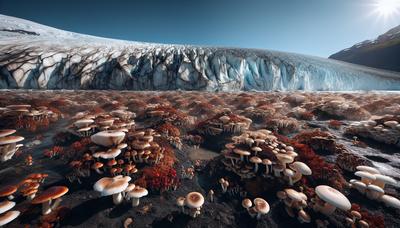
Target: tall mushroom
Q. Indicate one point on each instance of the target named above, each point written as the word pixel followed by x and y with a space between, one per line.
pixel 333 199
pixel 47 196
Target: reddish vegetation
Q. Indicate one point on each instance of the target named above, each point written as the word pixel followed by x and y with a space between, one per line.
pixel 375 220
pixel 169 130
pixel 55 151
pixel 306 136
pixel 335 124
pixel 159 178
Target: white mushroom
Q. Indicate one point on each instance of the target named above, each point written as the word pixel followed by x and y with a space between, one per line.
pixel 333 199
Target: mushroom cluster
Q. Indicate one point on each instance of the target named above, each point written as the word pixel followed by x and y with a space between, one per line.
pixel 194 201
pixel 372 184
pixel 385 130
pixel 86 124
pixel 224 122
pixel 253 149
pixel 8 144
pixel 120 189
pixel 295 204
pixel 261 207
pixel 28 117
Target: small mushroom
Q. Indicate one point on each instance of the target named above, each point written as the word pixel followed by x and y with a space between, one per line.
pixel 180 201
pixel 137 193
pixel 194 200
pixel 261 206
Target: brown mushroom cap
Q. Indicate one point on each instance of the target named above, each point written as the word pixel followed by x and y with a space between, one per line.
pixel 7 190
pixel 246 203
pixel 194 200
pixel 50 194
pixel 255 160
pixel 261 205
pixel 138 192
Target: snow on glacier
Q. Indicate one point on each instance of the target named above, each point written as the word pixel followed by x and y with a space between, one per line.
pixel 35 56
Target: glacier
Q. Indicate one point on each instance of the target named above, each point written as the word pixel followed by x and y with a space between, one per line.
pixel 34 56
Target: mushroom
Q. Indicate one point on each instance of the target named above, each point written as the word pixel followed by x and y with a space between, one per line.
pixel 390 201
pixel 368 169
pixel 363 224
pixel 180 201
pixel 8 217
pixel 256 161
pixel 366 177
pixel 333 199
pixel 246 203
pixel 267 163
pixel 284 159
pixel 8 146
pixel 289 174
pixel 6 205
pixel 194 200
pixel 112 186
pixel 374 191
pixel 360 186
pixel 8 191
pixel 108 138
pixel 211 195
pixel 137 193
pixel 261 206
pixel 96 166
pixel 47 196
pixel 256 149
pixel 278 168
pixel 382 180
pixel 303 217
pixel 300 169
pixel 242 153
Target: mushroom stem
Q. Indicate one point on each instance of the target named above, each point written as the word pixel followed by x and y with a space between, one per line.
pixel 255 168
pixel 98 171
pixel 135 202
pixel 46 209
pixel 56 203
pixel 266 169
pixel 327 209
pixel 117 198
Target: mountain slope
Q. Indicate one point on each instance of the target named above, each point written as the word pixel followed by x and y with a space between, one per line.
pixel 34 56
pixel 382 53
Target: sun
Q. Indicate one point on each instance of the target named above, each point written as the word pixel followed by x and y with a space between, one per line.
pixel 387 8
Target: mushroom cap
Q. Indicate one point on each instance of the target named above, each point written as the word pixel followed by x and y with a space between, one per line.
pixel 83 123
pixel 97 165
pixel 241 152
pixel 356 214
pixel 266 161
pixel 255 160
pixel 284 158
pixel 366 175
pixel 111 153
pixel 301 167
pixel 108 138
pixel 281 195
pixel 333 197
pixel 289 148
pixel 194 200
pixel 50 194
pixel 256 149
pixel 138 192
pixel 122 146
pixel 6 205
pixel 8 190
pixel 246 203
pixel 8 217
pixel 358 183
pixel 6 132
pixel 385 179
pixel 111 185
pixel 261 205
pixel 293 194
pixel 10 139
pixel 390 201
pixel 180 201
pixel 368 169
pixel 288 172
pixel 372 187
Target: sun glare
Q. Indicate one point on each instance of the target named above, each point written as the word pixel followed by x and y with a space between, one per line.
pixel 387 8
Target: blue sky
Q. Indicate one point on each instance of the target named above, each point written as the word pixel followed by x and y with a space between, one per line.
pixel 315 27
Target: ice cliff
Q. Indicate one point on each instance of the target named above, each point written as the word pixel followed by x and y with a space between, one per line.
pixel 35 56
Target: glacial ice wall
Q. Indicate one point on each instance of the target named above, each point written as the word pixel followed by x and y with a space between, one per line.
pixel 33 56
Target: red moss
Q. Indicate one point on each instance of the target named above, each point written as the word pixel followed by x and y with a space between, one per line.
pixel 375 220
pixel 335 124
pixel 159 178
